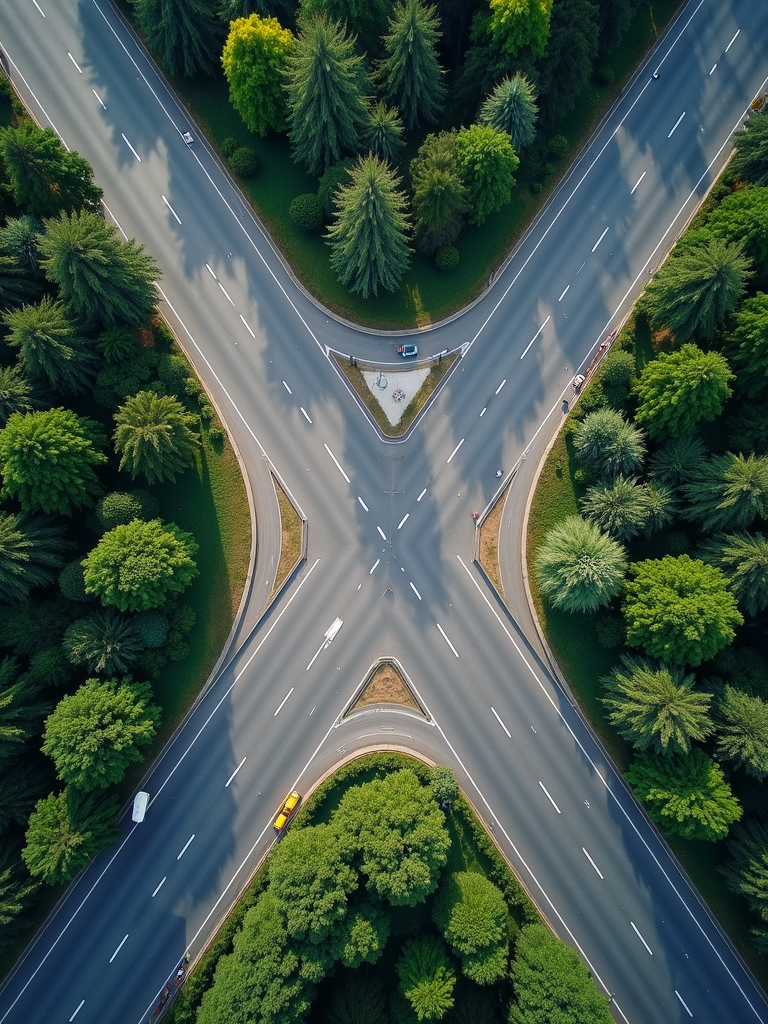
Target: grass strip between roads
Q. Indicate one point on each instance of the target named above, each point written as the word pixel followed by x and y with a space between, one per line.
pixel 292 531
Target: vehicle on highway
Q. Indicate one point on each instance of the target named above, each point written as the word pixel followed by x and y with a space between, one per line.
pixel 287 811
pixel 407 350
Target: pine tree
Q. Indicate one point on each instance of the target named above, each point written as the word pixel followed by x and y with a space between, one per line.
pixel 20 787
pixel 620 509
pixel 751 158
pixel 661 506
pixel 327 112
pixel 368 238
pixel 99 275
pixel 608 445
pixel 16 286
pixel 383 135
pixel 728 492
pixel 511 108
pixel 743 557
pixel 106 642
pixel 656 708
pixel 32 550
pixel 16 892
pixel 50 347
pixel 439 195
pixel 16 392
pixel 747 345
pixel 746 870
pixel 186 35
pixel 578 568
pixel 410 75
pixel 427 977
pixel 19 239
pixel 742 731
pixel 678 460
pixel 21 712
pixel 155 436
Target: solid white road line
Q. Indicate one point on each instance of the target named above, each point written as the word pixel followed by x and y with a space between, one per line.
pixel 634 187
pixel 184 847
pixel 605 232
pixel 597 869
pixel 563 293
pixel 461 442
pixel 119 947
pixel 498 389
pixel 74 62
pixel 674 126
pixel 159 886
pixel 374 567
pixel 82 1001
pixel 338 465
pixel 683 1003
pixel 402 521
pixel 101 101
pixel 637 933
pixel 498 719
pixel 131 148
pixel 422 494
pixel 245 323
pixel 224 292
pixel 210 271
pixel 444 636
pixel 733 40
pixel 282 702
pixel 305 414
pixel 234 773
pixel 37 5
pixel 363 503
pixel 419 596
pixel 383 535
pixel 549 797
pixel 178 221
pixel 536 335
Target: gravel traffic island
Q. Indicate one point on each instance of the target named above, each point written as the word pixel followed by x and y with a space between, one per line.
pixel 395 391
pixel 385 685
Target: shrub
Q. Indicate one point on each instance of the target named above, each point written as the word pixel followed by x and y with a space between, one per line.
pixel 306 212
pixel 617 373
pixel 336 175
pixel 558 147
pixel 244 162
pixel 72 584
pixel 116 344
pixel 151 628
pixel 537 188
pixel 173 371
pixel 603 75
pixel 230 146
pixel 447 258
pixel 118 508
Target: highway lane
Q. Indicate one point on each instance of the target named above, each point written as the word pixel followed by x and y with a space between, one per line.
pixel 387 615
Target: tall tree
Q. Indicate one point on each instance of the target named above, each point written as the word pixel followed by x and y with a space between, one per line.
pixel 678 460
pixel 46 178
pixel 677 390
pixel 99 275
pixel 107 643
pixel 410 76
pixel 687 793
pixel 155 436
pixel 48 460
pixel 621 509
pixel 21 712
pixel 50 345
pixel 254 58
pixel 16 892
pixel 471 913
pixel 727 493
pixel 742 731
pixel 656 707
pixel 17 393
pixel 185 34
pixel 32 550
pixel 66 831
pixel 518 23
pixel 439 194
pixel 751 158
pixel 368 239
pixel 696 288
pixel 742 218
pixel 679 609
pixel 608 445
pixel 565 69
pixel 16 285
pixel 486 163
pixel 327 111
pixel 578 568
pixel 229 10
pixel 427 977
pixel 383 135
pixel 511 108
pixel 746 870
pixel 743 557
pixel 95 733
pixel 20 788
pixel 614 19
pixel 19 239
pixel 747 345
pixel 136 567
pixel 367 19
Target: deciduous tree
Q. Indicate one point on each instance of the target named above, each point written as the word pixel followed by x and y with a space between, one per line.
pixel 439 194
pixel 155 437
pixel 677 390
pixel 728 492
pixel 427 977
pixel 471 913
pixel 185 34
pixel 255 57
pixel 518 23
pixel 410 76
pixel 486 163
pixel 747 345
pixel 50 345
pixel 511 108
pixel 751 158
pixel 742 219
pixel 32 550
pixel 578 568
pixel 66 831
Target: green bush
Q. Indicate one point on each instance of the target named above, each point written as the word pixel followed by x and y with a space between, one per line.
pixel 244 162
pixel 335 176
pixel 306 212
pixel 537 188
pixel 230 146
pixel 447 258
pixel 72 584
pixel 558 147
pixel 173 371
pixel 603 75
pixel 121 507
pixel 152 628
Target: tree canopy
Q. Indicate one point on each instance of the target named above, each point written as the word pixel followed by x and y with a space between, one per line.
pixel 511 108
pixel 66 831
pixel 743 557
pixel 32 550
pixel 439 194
pixel 518 23
pixel 50 346
pixel 471 913
pixel 677 390
pixel 255 57
pixel 742 731
pixel 427 977
pixel 155 436
pixel 751 158
pixel 409 75
pixel 107 643
pixel 486 163
pixel 608 445
pixel 578 568
pixel 185 34
pixel 728 492
pixel 747 345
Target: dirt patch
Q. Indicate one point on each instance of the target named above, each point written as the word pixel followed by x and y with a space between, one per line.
pixel 385 685
pixel 292 532
pixel 488 548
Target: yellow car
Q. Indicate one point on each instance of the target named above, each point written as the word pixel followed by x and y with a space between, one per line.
pixel 286 811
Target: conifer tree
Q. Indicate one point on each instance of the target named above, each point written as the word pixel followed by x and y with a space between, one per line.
pixel 327 112
pixel 50 347
pixel 155 436
pixel 621 509
pixel 186 35
pixel 728 492
pixel 368 237
pixel 21 712
pixel 410 75
pixel 16 286
pixel 16 892
pixel 743 557
pixel 107 643
pixel 742 731
pixel 751 158
pixel 19 239
pixel 383 135
pixel 511 108
pixel 578 568
pixel 31 552
pixel 16 392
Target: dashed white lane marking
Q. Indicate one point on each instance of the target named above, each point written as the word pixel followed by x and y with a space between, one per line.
pixel 287 388
pixel 563 293
pixel 605 232
pixel 498 389
pixel 234 773
pixel 246 325
pixel 675 125
pixel 597 869
pixel 549 797
pixel 445 637
pixel 338 466
pixel 74 62
pixel 683 1003
pixel 401 524
pixel 184 847
pixel 536 335
pixel 374 567
pixel 308 418
pixel 712 69
pixel 37 5
pixel 733 40
pixel 381 532
pixel 82 1001
pixel 119 947
pixel 637 933
pixel 483 411
pixel 131 148
pixel 634 187
pixel 419 596
pixel 178 221
pixel 461 442
pixel 213 275
pixel 282 702
pixel 101 101
pixel 497 716
pixel 159 886
pixel 226 294
pixel 363 503
pixel 581 267
pixel 422 494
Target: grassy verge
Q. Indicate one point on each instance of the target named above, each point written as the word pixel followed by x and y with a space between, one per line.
pixel 292 533
pixel 355 377
pixel 488 548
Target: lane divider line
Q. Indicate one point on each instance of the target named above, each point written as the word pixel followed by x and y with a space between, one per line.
pixel 444 636
pixel 637 933
pixel 597 869
pixel 184 847
pixel 234 773
pixel 536 336
pixel 498 719
pixel 338 465
pixel 549 797
pixel 119 947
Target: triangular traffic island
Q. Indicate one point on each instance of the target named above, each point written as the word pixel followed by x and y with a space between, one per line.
pixel 395 391
pixel 384 686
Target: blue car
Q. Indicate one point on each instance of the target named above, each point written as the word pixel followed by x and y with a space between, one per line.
pixel 407 350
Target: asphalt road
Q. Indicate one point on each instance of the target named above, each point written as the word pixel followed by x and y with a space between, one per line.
pixel 390 534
